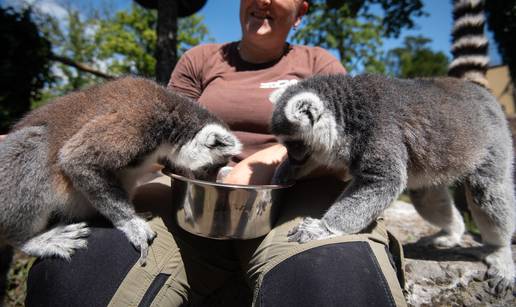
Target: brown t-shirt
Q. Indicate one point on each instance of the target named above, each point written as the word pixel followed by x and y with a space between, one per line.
pixel 237 91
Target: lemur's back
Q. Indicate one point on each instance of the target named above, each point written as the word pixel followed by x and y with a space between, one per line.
pixel 440 103
pixel 424 95
pixel 446 124
pixel 135 98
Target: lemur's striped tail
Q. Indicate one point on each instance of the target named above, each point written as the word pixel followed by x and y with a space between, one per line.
pixel 469 49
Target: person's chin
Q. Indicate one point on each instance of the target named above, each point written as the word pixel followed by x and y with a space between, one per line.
pixel 258 26
pixel 259 32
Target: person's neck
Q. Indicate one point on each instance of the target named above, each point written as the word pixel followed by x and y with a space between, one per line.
pixel 257 54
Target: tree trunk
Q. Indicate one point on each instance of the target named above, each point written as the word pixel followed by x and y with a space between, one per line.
pixel 166 49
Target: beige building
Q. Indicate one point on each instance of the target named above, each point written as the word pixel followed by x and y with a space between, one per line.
pixel 501 85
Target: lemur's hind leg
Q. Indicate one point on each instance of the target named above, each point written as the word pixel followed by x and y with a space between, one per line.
pixel 94 174
pixel 435 205
pixel 28 198
pixel 490 196
pixel 60 241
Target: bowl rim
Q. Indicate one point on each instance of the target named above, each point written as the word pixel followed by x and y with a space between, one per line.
pixel 225 185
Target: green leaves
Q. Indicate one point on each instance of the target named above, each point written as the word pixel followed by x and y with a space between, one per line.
pixel 107 42
pixel 352 29
pixel 127 41
pixel 191 32
pixel 73 38
pixel 416 59
pixel 24 65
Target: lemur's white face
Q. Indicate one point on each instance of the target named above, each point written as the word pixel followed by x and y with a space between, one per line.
pixel 304 125
pixel 209 150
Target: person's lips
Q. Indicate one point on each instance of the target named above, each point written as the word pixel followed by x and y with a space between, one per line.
pixel 261 15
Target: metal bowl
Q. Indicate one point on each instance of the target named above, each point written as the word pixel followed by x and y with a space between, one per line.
pixel 223 211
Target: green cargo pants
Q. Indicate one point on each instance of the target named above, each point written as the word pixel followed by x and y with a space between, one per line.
pixel 182 267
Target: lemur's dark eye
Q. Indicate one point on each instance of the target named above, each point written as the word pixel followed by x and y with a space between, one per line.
pixel 216 143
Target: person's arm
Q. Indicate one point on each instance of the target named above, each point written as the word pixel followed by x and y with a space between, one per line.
pixel 326 63
pixel 185 78
pixel 2 137
pixel 258 168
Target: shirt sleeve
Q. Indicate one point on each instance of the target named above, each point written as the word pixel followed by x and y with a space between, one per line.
pixel 327 63
pixel 185 78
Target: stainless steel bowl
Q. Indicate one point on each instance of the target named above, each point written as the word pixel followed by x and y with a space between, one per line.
pixel 223 211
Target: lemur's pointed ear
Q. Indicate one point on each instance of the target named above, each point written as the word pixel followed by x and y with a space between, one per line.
pixel 276 95
pixel 223 140
pixel 304 108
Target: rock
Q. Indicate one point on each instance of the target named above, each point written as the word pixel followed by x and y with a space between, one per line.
pixel 440 277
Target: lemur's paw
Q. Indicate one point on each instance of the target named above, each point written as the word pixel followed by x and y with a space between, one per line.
pixel 309 229
pixel 139 234
pixel 447 241
pixel 500 271
pixel 69 238
pixel 60 241
pixel 442 240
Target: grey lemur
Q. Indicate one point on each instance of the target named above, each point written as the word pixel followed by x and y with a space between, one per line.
pixel 420 134
pixel 84 153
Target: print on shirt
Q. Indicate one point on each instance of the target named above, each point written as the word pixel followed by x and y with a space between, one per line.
pixel 278 83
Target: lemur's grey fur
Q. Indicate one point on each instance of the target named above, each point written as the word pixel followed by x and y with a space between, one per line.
pixel 392 134
pixel 84 152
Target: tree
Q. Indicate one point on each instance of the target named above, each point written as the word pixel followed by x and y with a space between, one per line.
pixel 167 40
pixel 73 48
pixel 127 41
pixel 350 28
pixel 191 33
pixel 93 45
pixel 166 48
pixel 24 65
pixel 416 59
pixel 86 47
pixel 501 20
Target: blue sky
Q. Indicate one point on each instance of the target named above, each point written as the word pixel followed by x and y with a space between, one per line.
pixel 223 23
pixel 221 18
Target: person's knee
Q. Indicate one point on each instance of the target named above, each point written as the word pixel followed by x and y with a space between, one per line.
pixel 340 274
pixel 91 277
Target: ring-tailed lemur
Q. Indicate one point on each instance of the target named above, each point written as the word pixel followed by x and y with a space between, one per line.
pixel 421 134
pixel 84 153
